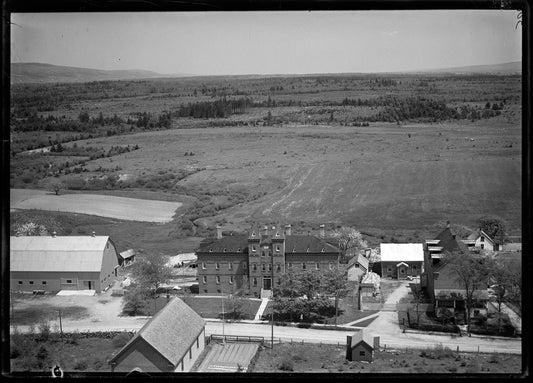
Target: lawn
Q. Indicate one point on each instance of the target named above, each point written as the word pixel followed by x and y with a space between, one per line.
pixel 207 307
pixel 317 358
pixel 81 354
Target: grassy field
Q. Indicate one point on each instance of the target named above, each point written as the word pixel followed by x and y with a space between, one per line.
pixel 309 164
pixel 314 358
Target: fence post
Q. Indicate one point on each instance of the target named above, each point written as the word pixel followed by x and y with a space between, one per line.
pixel 478 348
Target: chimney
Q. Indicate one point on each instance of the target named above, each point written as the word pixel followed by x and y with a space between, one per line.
pixel 322 231
pixel 265 230
pixel 53 234
pixel 219 232
pixel 288 229
pixel 94 234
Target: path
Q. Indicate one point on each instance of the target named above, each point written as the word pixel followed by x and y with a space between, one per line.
pixel 262 307
pixel 515 319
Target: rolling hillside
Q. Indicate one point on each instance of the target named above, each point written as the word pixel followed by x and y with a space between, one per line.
pixel 47 73
pixel 514 67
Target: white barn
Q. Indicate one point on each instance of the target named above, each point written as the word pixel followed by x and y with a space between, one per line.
pixel 54 263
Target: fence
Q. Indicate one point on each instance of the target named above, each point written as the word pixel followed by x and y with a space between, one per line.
pixel 235 338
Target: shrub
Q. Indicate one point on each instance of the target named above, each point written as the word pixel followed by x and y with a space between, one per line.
pixel 286 365
pixel 44 331
pixel 81 365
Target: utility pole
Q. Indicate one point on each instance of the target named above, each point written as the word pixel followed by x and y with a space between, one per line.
pixel 223 316
pixel 272 297
pixel 60 326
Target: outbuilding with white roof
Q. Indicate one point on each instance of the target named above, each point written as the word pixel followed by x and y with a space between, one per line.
pixel 400 260
pixel 55 263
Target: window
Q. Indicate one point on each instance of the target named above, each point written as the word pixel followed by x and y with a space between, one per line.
pixel 278 248
pixel 182 365
pixel 218 279
pixel 231 279
pixel 210 250
pixel 203 266
pixel 238 250
pixel 402 270
pixel 415 267
pixel 224 250
pixel 278 281
pixel 307 251
pixel 205 290
pixel 263 267
pixel 482 239
pixel 218 291
pixel 253 247
pixel 253 233
pixel 204 279
pixel 482 246
pixel 277 233
pixel 290 265
pixel 20 282
pixel 303 265
pixel 244 265
pixel 331 266
pixel 270 267
pixel 362 353
pixel 254 266
pixel 389 269
pixel 217 265
pixel 190 353
pixel 263 253
pixel 70 280
pixel 322 250
pixel 278 267
pixel 43 282
pixel 230 266
pixel 317 266
pixel 255 281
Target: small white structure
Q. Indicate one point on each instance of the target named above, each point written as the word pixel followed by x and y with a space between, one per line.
pixel 399 260
pixel 182 259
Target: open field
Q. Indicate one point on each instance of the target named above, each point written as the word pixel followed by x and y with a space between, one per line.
pixel 101 205
pixel 313 358
pixel 396 156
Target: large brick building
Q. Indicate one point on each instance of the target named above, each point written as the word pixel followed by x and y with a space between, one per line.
pixel 253 263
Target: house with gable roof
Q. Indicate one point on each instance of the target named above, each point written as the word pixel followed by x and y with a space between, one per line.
pixel 54 263
pixel 361 346
pixel 171 341
pixel 482 241
pixel 357 267
pixel 400 260
pixel 253 263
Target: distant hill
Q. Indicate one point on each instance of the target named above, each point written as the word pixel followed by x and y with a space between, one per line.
pixel 46 73
pixel 514 67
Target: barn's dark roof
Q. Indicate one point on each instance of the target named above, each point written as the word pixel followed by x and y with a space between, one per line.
pixel 293 244
pixel 171 331
pixel 449 243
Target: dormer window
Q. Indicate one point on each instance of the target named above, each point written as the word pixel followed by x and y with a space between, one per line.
pixel 253 233
pixel 253 247
pixel 224 250
pixel 307 251
pixel 238 250
pixel 278 248
pixel 210 250
pixel 277 233
pixel 294 249
pixel 322 250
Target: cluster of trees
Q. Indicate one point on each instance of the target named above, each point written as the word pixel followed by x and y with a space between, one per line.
pixel 304 296
pixel 84 118
pixel 147 274
pixel 215 109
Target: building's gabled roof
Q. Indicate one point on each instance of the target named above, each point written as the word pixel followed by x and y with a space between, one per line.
pixel 362 336
pixel 397 252
pixel 59 253
pixel 358 259
pixel 450 243
pixel 308 244
pixel 477 233
pixel 231 243
pixel 170 332
pixel 293 244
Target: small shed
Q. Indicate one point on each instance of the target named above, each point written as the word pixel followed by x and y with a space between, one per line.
pixel 357 267
pixel 127 257
pixel 361 346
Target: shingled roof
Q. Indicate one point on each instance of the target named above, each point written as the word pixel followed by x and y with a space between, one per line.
pixel 170 332
pixel 450 243
pixel 293 244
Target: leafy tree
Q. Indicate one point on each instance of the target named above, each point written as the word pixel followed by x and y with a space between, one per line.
pixel 335 283
pixel 56 187
pixel 135 301
pixel 349 240
pixel 151 271
pixel 30 229
pixel 471 273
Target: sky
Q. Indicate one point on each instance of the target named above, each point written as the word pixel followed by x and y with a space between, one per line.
pixel 289 42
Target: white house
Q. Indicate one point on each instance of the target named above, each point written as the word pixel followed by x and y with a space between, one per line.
pixel 399 260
